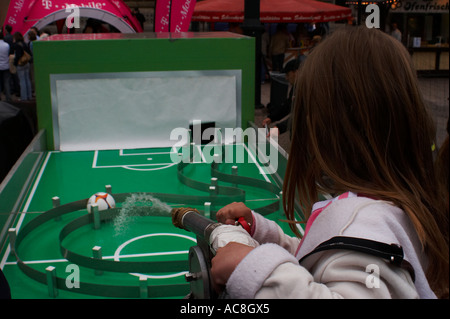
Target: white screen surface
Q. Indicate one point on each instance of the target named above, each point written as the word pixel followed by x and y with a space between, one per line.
pixel 139 110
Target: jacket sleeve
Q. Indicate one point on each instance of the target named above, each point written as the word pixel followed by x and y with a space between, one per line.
pixel 283 125
pixel 267 231
pixel 271 272
pixel 283 109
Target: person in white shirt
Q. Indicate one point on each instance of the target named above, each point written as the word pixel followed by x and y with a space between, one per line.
pixel 396 33
pixel 5 75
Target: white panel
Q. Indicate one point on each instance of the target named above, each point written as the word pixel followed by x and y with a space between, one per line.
pixel 137 112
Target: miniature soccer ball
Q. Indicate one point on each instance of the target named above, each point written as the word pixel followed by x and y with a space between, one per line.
pixel 103 200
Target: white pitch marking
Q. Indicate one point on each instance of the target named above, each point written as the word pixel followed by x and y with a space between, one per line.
pixel 49 261
pixel 121 153
pixel 263 173
pixel 149 169
pixel 135 166
pixel 27 205
pixel 117 255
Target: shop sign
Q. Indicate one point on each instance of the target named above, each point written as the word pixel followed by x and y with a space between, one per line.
pixel 420 6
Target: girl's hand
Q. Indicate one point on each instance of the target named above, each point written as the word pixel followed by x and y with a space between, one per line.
pixel 230 213
pixel 225 261
pixel 266 121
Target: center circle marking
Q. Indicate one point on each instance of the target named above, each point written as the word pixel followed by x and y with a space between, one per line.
pixel 119 249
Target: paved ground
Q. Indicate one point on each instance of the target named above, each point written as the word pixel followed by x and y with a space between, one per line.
pixel 435 92
pixel 436 95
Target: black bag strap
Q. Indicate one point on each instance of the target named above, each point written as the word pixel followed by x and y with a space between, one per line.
pixel 393 253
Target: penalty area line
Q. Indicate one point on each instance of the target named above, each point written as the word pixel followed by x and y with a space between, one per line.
pixel 62 260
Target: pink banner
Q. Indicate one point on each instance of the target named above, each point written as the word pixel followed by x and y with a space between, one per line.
pixel 17 11
pixel 174 13
pixel 181 15
pixel 162 15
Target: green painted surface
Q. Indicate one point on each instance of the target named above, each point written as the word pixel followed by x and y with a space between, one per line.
pixel 74 176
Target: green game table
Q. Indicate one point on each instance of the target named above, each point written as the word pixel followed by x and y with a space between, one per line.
pixel 58 250
pixel 106 105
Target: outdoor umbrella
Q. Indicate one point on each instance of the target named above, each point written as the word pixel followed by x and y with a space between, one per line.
pixel 271 11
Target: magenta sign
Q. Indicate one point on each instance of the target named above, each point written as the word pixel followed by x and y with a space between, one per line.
pixel 173 15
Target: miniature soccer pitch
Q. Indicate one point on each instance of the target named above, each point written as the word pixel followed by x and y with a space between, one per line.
pixel 65 253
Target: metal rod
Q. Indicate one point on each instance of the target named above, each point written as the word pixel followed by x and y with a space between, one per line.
pixel 97 254
pixel 51 281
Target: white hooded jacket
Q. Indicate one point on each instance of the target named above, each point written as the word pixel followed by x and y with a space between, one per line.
pixel 272 270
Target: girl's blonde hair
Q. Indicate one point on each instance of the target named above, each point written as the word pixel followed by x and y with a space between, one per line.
pixel 359 124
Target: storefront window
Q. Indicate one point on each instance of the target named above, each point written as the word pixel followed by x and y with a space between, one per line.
pixel 424 19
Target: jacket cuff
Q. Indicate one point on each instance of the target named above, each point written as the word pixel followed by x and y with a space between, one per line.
pixel 251 273
pixel 264 230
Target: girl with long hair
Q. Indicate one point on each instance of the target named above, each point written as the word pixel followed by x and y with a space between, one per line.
pixel 361 133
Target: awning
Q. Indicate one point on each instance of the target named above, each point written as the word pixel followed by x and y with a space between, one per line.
pixel 271 11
